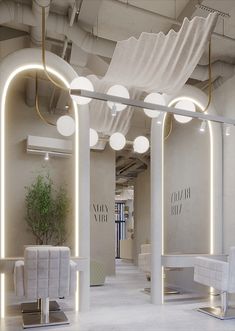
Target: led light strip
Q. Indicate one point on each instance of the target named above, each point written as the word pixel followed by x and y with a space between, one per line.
pixel 211 189
pixel 2 225
pixel 163 207
pixel 76 202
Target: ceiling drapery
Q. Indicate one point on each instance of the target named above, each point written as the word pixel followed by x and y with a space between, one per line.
pixel 152 63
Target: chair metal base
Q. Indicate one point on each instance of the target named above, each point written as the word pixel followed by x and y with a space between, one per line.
pixel 34 307
pixel 218 312
pixel 167 290
pixel 34 320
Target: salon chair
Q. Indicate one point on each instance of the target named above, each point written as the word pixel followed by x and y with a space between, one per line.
pixel 144 264
pixel 45 272
pixel 33 307
pixel 221 276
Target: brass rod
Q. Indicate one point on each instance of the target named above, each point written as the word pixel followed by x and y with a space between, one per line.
pixel 37 107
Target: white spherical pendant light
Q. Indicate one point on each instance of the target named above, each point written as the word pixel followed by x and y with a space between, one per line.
pixel 156 98
pixel 93 137
pixel 141 144
pixel 65 125
pixel 186 105
pixel 84 84
pixel 118 91
pixel 117 141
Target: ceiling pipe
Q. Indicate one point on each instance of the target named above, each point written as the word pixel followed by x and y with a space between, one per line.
pixel 36 31
pixel 59 24
pixel 20 13
pixel 86 41
pixel 72 13
pixel 64 48
pixel 221 71
pixel 10 11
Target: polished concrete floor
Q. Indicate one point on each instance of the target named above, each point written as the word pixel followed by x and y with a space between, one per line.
pixel 121 305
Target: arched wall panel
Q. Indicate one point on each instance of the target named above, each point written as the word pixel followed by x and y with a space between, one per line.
pixel 15 63
pixel 157 189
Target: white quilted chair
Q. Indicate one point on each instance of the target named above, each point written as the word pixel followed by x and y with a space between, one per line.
pixel 144 264
pixel 45 272
pixel 221 276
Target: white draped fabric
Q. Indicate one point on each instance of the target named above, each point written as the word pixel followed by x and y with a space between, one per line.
pixel 152 63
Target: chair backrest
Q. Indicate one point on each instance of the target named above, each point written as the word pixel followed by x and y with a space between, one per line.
pixel 46 271
pixel 231 280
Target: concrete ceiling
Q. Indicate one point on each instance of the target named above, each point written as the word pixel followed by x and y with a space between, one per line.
pixel 115 20
pixel 118 20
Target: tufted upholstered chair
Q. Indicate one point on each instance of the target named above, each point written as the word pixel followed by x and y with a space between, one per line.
pixel 144 264
pixel 221 276
pixel 45 272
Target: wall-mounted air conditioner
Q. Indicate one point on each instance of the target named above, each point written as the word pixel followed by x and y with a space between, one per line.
pixel 52 146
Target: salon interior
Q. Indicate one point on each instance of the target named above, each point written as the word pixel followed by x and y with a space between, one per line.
pixel 117 165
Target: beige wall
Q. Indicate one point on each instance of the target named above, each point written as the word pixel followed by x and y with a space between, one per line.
pixel 187 197
pixel 187 168
pixel 141 212
pixel 102 208
pixel 22 168
pixel 186 165
pixel 224 100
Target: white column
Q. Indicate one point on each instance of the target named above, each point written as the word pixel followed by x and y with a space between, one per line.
pixel 84 205
pixel 157 209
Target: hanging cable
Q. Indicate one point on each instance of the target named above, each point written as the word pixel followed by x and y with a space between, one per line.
pixel 37 107
pixel 167 134
pixel 209 80
pixel 43 51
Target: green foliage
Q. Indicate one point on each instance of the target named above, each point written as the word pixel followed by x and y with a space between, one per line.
pixel 46 211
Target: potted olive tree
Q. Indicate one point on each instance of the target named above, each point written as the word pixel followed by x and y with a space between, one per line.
pixel 46 211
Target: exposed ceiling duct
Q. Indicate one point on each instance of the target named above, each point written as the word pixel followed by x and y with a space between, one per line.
pixel 85 40
pixel 36 31
pixel 219 69
pixel 20 13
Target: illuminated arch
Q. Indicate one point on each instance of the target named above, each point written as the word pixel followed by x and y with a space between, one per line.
pixel 157 190
pixel 10 67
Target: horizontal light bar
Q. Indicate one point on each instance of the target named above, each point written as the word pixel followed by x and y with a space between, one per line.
pixel 151 106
